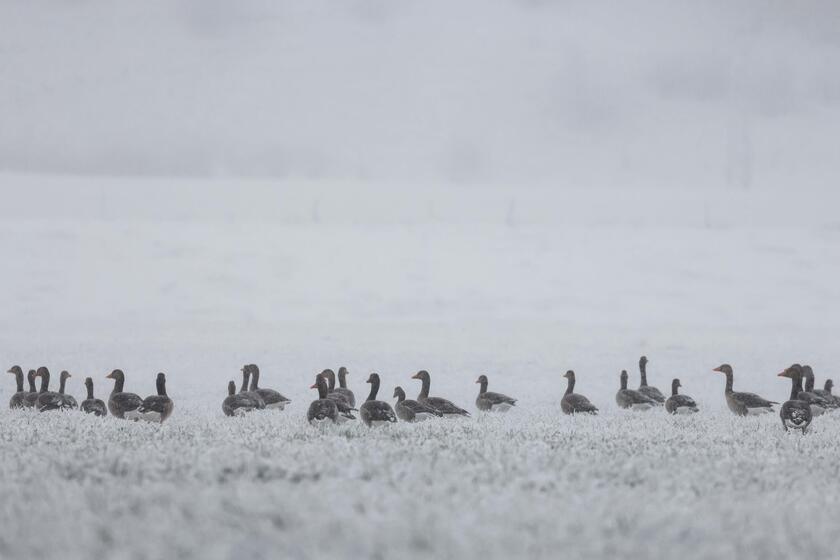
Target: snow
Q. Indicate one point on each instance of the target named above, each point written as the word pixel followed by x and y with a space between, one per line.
pixel 198 277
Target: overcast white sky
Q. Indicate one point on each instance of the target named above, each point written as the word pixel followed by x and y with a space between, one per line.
pixel 568 93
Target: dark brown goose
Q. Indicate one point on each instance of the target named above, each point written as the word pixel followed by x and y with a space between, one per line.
pixel 490 401
pixel 342 386
pixel 742 404
pixel 630 399
pixel 272 399
pixel 443 406
pixel 31 397
pixel 680 404
pixel 647 390
pixel 156 408
pixel 373 412
pixel 18 399
pixel 795 413
pixel 819 404
pixel 51 400
pixel 323 410
pixel 237 404
pixel 412 411
pixel 574 403
pixel 120 403
pixel 91 404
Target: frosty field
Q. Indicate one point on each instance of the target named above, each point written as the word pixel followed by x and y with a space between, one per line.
pixel 197 278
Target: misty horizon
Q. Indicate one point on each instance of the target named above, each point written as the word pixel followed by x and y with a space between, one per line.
pixel 572 94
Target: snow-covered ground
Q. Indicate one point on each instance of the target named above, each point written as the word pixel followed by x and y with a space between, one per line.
pixel 196 278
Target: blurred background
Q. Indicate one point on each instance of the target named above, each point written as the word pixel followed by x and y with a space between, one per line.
pixel 565 93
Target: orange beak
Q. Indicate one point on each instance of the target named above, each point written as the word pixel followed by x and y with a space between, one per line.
pixel 717 369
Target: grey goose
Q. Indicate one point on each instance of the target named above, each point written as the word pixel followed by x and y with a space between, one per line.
pixel 795 413
pixel 236 404
pixel 156 408
pixel 630 399
pixel 410 410
pixel 272 399
pixel 826 392
pixel 342 386
pixel 91 404
pixel 819 403
pixel 31 397
pixel 445 407
pixel 332 393
pixel 323 410
pixel 648 390
pixel 490 401
pixel 742 404
pixel 245 390
pixel 373 412
pixel 18 399
pixel 121 403
pixel 679 404
pixel 575 403
pixel 52 400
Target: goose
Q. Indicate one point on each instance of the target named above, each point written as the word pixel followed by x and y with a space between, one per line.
pixel 441 405
pixel 373 412
pixel 18 398
pixel 342 386
pixel 412 411
pixel 829 385
pixel 819 404
pixel 490 401
pixel 243 390
pixel 574 403
pixel 270 397
pixel 122 404
pixel 743 404
pixel 31 397
pixel 50 400
pixel 156 408
pixel 795 413
pixel 92 405
pixel 634 400
pixel 679 404
pixel 69 400
pixel 237 404
pixel 332 393
pixel 323 410
pixel 647 390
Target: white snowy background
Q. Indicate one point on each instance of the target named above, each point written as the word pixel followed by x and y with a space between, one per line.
pixel 508 188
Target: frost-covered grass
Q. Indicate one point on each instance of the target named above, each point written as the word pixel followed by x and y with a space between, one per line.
pixel 624 485
pixel 197 279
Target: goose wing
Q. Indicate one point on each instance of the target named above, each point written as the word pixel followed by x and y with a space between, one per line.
pixel 751 400
pixel 444 406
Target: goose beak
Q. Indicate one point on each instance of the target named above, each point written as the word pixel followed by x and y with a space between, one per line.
pixel 109 376
pixel 9 371
pixel 313 386
pixel 717 369
pixel 782 374
pixel 416 376
pixel 478 381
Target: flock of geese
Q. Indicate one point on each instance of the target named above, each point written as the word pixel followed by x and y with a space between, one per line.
pixel 338 404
